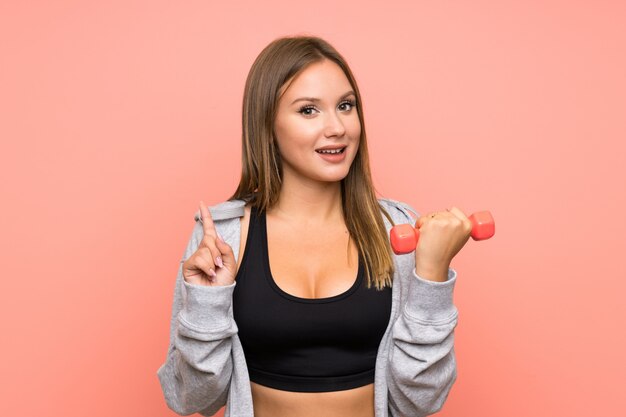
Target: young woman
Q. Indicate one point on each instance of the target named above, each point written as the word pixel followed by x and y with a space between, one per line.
pixel 289 301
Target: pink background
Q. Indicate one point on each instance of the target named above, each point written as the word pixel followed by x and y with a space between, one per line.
pixel 117 117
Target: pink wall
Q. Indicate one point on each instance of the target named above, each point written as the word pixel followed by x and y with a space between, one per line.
pixel 117 117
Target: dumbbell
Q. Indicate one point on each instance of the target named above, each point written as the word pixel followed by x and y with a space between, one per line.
pixel 404 237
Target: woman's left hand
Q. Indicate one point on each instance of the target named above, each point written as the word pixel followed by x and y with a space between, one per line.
pixel 442 235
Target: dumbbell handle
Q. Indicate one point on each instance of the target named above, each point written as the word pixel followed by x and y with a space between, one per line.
pixel 404 237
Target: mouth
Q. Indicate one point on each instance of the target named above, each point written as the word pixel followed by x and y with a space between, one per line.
pixel 331 151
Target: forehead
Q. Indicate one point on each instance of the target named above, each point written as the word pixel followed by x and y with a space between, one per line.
pixel 323 79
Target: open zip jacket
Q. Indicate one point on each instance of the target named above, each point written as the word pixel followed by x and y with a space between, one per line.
pixel 205 367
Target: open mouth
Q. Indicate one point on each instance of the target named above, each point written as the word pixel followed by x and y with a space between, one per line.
pixel 331 151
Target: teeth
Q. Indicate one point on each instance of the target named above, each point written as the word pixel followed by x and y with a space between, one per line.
pixel 330 151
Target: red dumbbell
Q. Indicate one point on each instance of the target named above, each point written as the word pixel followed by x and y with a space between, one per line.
pixel 404 237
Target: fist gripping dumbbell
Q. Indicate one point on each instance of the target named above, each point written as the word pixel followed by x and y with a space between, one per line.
pixel 404 237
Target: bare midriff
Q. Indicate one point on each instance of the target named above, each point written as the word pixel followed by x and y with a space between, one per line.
pixel 270 402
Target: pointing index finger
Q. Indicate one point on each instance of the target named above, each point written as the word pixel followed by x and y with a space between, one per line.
pixel 207 221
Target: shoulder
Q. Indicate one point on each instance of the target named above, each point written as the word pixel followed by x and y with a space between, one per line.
pixel 226 210
pixel 399 211
pixel 226 217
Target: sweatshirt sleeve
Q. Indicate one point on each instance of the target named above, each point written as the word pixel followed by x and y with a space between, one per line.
pixel 422 363
pixel 195 377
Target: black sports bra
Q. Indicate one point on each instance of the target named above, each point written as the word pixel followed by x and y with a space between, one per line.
pixel 305 344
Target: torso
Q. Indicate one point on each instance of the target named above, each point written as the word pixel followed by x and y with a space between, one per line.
pixel 301 267
pixel 269 402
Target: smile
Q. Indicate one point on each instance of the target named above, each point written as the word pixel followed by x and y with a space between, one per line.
pixel 330 151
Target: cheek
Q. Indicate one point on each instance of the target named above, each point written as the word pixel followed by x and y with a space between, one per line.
pixel 292 143
pixel 302 131
pixel 354 125
pixel 295 134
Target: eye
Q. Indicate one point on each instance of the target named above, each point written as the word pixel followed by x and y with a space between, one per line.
pixel 304 109
pixel 351 103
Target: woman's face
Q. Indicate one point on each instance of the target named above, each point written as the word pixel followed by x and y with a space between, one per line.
pixel 317 126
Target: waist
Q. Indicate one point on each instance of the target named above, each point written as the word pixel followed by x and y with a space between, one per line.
pixel 270 402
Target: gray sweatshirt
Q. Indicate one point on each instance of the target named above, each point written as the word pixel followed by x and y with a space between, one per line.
pixel 205 367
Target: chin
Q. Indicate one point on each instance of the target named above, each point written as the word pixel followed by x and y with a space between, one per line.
pixel 336 177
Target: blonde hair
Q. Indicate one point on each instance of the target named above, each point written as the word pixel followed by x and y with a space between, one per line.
pixel 261 174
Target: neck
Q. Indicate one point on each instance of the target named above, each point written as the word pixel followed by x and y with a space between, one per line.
pixel 309 202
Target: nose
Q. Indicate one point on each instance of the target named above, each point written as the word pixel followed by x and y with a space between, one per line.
pixel 334 125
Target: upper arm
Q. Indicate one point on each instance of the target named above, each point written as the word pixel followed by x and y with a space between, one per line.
pixel 399 211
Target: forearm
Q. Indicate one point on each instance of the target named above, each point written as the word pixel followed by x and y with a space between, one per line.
pixel 422 366
pixel 436 273
pixel 198 368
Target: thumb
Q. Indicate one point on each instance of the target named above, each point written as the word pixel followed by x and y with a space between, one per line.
pixel 420 221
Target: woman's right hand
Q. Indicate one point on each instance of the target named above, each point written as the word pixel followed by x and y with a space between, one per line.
pixel 213 263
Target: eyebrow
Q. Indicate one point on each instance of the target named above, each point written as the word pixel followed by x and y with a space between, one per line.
pixel 315 99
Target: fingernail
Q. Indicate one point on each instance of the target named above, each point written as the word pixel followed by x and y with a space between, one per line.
pixel 219 262
pixel 212 273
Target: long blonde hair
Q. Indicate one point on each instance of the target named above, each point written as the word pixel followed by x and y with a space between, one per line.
pixel 261 173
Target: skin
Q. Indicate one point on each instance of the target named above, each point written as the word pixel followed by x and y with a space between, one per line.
pixel 325 263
